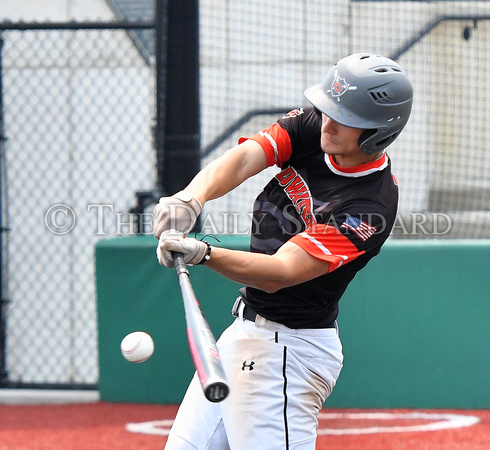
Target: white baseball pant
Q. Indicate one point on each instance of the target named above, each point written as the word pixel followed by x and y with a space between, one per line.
pixel 278 379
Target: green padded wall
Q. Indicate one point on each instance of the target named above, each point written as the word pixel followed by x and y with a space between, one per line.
pixel 415 324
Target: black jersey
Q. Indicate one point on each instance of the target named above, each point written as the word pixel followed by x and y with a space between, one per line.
pixel 339 215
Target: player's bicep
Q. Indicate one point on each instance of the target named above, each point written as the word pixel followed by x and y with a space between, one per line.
pixel 315 252
pixel 298 265
pixel 254 159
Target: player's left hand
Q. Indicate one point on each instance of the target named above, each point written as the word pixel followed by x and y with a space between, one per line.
pixel 192 249
pixel 178 212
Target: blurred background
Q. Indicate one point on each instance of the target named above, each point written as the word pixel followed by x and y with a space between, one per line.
pixel 105 105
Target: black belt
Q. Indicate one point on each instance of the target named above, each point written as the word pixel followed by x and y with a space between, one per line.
pixel 250 314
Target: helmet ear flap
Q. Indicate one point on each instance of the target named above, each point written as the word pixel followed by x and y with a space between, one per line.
pixel 364 141
pixel 370 145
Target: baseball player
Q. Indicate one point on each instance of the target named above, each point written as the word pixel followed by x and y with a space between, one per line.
pixel 315 225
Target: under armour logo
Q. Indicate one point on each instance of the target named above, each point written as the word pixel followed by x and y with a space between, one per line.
pixel 248 366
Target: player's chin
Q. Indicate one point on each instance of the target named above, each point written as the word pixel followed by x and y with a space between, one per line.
pixel 328 147
pixel 329 144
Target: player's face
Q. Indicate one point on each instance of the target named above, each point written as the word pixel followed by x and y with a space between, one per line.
pixel 340 141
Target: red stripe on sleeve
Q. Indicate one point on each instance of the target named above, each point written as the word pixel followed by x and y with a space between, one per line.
pixel 276 143
pixel 327 243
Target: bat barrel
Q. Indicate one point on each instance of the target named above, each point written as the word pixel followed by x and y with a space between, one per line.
pixel 201 340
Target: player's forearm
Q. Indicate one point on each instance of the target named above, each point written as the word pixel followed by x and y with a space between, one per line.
pixel 213 181
pixel 250 269
pixel 227 172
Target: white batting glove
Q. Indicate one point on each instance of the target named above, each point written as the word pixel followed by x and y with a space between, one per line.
pixel 178 212
pixel 164 256
pixel 193 250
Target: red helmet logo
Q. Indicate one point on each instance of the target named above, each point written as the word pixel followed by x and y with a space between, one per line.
pixel 339 86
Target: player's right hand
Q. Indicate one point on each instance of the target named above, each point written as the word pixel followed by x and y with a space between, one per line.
pixel 192 249
pixel 178 212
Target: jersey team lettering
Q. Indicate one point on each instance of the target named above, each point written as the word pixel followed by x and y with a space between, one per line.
pixel 294 113
pixel 299 193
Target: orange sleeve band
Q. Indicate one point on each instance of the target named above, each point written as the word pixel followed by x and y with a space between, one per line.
pixel 327 243
pixel 276 144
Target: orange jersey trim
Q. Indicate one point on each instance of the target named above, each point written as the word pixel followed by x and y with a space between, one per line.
pixel 357 171
pixel 327 243
pixel 276 143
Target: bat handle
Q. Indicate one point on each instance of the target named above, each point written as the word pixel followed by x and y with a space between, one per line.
pixel 180 266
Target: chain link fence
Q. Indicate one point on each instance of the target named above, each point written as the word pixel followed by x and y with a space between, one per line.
pixel 78 118
pixel 262 55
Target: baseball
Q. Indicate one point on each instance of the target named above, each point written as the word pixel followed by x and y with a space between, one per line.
pixel 137 347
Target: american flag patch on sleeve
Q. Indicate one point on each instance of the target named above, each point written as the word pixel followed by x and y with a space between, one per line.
pixel 362 229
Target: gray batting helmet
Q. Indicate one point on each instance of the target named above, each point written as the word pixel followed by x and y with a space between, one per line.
pixel 366 91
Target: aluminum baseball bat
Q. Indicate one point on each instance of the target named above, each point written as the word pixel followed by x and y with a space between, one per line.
pixel 201 340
